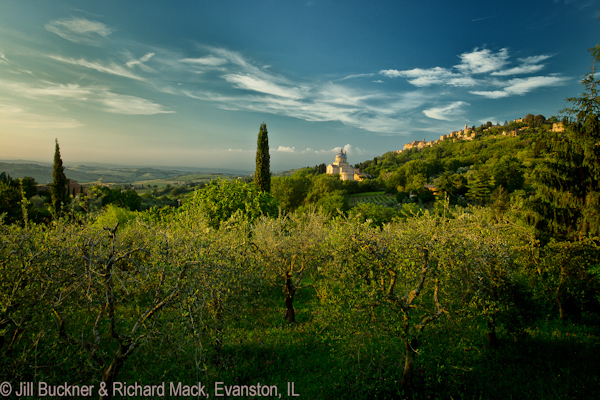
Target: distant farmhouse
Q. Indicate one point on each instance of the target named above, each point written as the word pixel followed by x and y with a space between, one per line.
pixel 73 187
pixel 346 171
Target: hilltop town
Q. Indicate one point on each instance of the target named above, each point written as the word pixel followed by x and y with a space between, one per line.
pixel 471 133
pixel 348 172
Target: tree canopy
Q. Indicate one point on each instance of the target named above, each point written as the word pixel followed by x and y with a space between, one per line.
pixel 567 181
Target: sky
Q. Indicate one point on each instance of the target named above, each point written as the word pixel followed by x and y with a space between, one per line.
pixel 188 83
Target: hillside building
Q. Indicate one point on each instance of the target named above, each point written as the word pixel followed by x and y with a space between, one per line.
pixel 346 171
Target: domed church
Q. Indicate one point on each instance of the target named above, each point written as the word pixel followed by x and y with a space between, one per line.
pixel 340 166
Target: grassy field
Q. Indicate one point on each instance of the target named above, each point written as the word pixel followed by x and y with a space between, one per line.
pixel 324 360
pixel 182 179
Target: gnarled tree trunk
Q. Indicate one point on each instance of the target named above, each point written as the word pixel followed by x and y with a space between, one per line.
pixel 290 290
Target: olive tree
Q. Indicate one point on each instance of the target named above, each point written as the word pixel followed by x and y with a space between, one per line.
pixel 409 274
pixel 289 248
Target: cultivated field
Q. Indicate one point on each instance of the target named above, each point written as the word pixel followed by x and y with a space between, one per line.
pixel 380 198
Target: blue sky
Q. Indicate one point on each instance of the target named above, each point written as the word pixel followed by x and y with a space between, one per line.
pixel 188 83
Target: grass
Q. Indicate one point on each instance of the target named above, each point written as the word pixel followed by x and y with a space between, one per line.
pixel 327 358
pixel 342 354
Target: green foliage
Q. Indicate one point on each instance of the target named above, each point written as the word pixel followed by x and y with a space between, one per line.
pixel 158 214
pixel 480 185
pixel 323 185
pixel 453 184
pixel 567 181
pixel 10 197
pixel 508 172
pixel 207 304
pixel 29 186
pixel 566 276
pixel 290 191
pixel 290 249
pixel 376 214
pixel 262 176
pixel 123 198
pixel 112 215
pixel 220 200
pixel 333 203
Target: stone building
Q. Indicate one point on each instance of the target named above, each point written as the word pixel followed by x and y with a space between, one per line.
pixel 416 144
pixel 340 166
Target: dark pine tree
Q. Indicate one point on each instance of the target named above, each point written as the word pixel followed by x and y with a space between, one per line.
pixel 262 176
pixel 59 188
pixel 567 182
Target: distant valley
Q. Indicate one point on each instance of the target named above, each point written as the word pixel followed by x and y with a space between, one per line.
pixel 114 174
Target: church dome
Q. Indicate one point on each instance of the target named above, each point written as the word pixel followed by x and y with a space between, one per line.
pixel 341 156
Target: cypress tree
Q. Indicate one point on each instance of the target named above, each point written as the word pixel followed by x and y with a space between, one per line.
pixel 59 187
pixel 262 175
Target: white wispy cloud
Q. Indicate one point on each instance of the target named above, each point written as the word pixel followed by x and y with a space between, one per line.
pixel 434 76
pixel 482 61
pixel 417 73
pixel 110 68
pixel 210 61
pixel 528 65
pixel 487 66
pixel 368 75
pixel 348 148
pixel 131 105
pixel 3 59
pixel 317 101
pixel 254 83
pixel 47 89
pixel 93 95
pixel 523 69
pixel 447 113
pixel 79 30
pixel 140 61
pixel 285 149
pixel 534 59
pixel 491 94
pixel 522 86
pixel 18 117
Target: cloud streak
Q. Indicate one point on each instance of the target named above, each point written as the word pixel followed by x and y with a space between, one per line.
pixel 14 116
pixel 447 113
pixel 140 61
pixel 80 30
pixel 256 84
pixel 93 95
pixel 235 82
pixel 131 105
pixel 254 88
pixel 522 86
pixel 481 68
pixel 106 68
pixel 210 61
pixel 348 148
pixel 368 75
